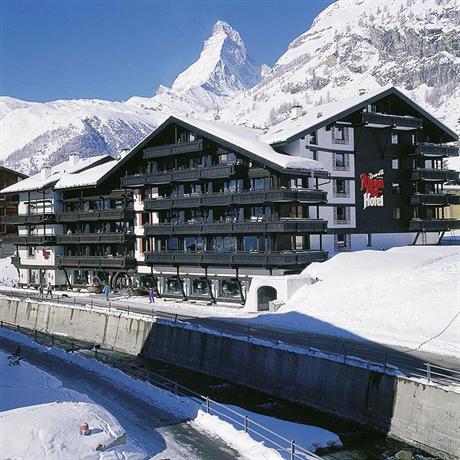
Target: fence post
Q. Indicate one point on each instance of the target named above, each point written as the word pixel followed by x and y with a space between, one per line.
pixel 35 335
pixel 52 340
pixel 207 404
pixel 292 450
pixel 18 327
pixel 246 423
pixel 175 318
pixel 428 372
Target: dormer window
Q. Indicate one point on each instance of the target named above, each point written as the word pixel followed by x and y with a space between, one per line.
pixel 339 133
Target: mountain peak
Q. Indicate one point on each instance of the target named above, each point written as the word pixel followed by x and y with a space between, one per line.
pixel 223 69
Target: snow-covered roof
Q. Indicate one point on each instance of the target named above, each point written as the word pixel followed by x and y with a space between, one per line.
pixel 249 140
pixel 40 180
pixel 321 115
pixel 85 178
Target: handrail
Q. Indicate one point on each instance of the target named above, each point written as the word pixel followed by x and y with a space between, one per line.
pixel 292 448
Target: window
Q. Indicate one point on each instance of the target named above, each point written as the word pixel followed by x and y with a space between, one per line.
pixel 250 243
pixel 341 214
pixel 228 158
pixel 396 213
pixel 224 244
pixel 395 163
pixel 193 244
pixel 229 288
pixel 340 187
pixel 200 287
pixel 371 108
pixel 173 244
pixel 261 183
pixel 297 242
pixel 395 188
pixel 369 240
pixel 173 286
pixel 339 133
pixel 340 160
pixel 413 139
pixel 296 183
pixel 315 155
pixel 394 138
pixel 314 138
pixel 342 241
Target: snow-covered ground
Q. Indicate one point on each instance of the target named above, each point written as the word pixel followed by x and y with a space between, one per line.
pixel 407 296
pixel 8 272
pixel 42 397
pixel 39 418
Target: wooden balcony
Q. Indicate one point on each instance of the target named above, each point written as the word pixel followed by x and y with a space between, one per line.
pixel 106 262
pixel 22 219
pixel 249 259
pixel 247 197
pixel 31 240
pixel 434 225
pixel 96 215
pixel 434 199
pixel 243 227
pixel 96 238
pixel 173 149
pixel 434 175
pixel 429 150
pixel 183 175
pixel 383 120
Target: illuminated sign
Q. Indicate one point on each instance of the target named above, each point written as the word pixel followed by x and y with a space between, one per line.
pixel 372 188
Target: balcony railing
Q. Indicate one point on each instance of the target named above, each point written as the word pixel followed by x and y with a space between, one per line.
pixel 434 225
pixel 173 149
pixel 434 199
pixel 28 219
pixel 251 259
pixel 396 121
pixel 427 149
pixel 237 198
pixel 31 240
pixel 183 175
pixel 106 262
pixel 434 175
pixel 89 216
pixel 244 227
pixel 95 238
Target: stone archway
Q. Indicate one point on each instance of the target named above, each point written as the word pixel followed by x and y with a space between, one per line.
pixel 265 294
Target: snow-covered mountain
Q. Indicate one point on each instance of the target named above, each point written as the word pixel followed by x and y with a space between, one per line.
pixel 351 45
pixel 364 44
pixel 33 134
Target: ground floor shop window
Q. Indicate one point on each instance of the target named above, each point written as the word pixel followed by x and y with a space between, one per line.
pixel 200 287
pixel 173 286
pixel 229 288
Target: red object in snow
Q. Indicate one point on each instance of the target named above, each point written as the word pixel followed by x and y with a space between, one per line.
pixel 84 429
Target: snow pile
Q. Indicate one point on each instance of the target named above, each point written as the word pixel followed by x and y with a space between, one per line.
pixel 405 296
pixel 191 409
pixel 47 416
pixel 8 272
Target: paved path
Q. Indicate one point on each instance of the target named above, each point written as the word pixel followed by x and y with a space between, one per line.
pixel 411 362
pixel 160 434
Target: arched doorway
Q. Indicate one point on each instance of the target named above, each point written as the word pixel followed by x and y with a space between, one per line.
pixel 265 294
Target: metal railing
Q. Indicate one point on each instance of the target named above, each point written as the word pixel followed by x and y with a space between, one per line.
pixel 288 448
pixel 353 353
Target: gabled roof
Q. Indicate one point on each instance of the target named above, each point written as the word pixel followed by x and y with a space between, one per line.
pixel 39 181
pixel 322 115
pixel 13 172
pixel 237 138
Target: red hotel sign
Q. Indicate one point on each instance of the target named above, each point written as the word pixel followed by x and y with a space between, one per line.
pixel 372 187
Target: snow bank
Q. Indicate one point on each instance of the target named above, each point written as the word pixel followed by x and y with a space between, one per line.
pixel 8 272
pixel 230 432
pixel 405 296
pixel 48 416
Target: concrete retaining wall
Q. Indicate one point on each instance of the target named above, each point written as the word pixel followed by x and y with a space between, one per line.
pixel 425 416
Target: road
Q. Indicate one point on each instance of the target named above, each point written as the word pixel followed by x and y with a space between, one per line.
pixel 410 362
pixel 160 434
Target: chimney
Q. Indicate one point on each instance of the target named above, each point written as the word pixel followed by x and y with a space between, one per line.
pixel 296 112
pixel 46 172
pixel 361 92
pixel 73 159
pixel 123 153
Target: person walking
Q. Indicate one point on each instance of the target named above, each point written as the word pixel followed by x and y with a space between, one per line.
pixel 40 292
pixel 49 291
pixel 151 295
pixel 106 292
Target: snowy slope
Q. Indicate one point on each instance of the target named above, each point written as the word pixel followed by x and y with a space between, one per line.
pixel 405 296
pixel 363 44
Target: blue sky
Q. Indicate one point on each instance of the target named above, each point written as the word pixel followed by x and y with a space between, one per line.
pixel 114 49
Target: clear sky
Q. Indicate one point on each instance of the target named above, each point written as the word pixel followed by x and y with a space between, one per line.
pixel 114 49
